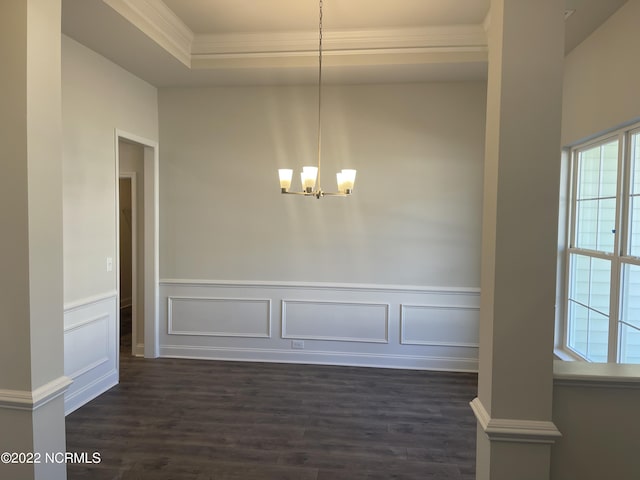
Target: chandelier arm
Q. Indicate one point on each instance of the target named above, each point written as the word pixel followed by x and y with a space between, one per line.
pixel 345 178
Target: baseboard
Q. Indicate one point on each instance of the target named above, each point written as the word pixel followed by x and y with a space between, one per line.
pixel 139 350
pixel 90 391
pixel 409 362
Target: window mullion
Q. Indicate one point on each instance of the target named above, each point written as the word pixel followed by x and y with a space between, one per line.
pixel 619 247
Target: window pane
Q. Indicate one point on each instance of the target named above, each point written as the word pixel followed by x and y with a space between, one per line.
pixel 587 224
pixel 634 226
pixel 590 282
pixel 629 344
pixel 635 163
pixel 589 299
pixel 595 217
pixel 630 295
pixel 589 173
pixel 598 338
pixel 609 173
pixel 588 332
pixel 578 328
pixel 606 224
pixel 580 279
pixel 596 221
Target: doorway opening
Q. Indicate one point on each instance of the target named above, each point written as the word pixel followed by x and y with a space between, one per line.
pixel 130 312
pixel 137 233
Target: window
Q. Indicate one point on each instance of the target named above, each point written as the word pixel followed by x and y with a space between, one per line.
pixel 602 306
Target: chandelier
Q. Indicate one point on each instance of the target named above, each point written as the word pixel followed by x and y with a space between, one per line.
pixel 310 176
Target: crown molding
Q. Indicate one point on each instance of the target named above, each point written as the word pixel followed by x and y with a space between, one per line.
pixel 486 23
pixel 159 23
pixel 456 37
pixel 454 43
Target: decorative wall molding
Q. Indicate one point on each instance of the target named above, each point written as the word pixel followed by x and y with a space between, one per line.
pixel 86 321
pixel 222 313
pixel 514 430
pixel 32 400
pixel 431 318
pixel 88 301
pixel 348 287
pixel 90 348
pixel 335 316
pixel 339 324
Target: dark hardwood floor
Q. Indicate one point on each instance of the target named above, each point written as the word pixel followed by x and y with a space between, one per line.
pixel 192 419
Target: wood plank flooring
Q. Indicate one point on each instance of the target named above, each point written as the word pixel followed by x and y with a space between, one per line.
pixel 197 420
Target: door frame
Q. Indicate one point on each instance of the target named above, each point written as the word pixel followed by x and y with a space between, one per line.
pixel 151 261
pixel 132 177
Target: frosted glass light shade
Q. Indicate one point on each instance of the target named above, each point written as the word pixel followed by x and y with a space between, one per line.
pixel 348 179
pixel 340 179
pixel 308 177
pixel 285 175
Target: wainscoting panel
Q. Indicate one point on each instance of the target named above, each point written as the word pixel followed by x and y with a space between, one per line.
pixel 221 317
pixel 339 321
pixel 90 348
pixel 439 325
pixel 428 328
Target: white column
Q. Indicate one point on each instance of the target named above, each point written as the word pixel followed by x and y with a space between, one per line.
pixel 32 381
pixel 520 211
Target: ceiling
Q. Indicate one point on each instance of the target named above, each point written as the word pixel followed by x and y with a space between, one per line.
pixel 241 42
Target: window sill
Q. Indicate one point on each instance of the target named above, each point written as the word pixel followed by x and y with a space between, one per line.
pixel 607 375
pixel 565 355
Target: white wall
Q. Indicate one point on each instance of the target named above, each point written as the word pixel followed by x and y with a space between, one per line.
pixel 97 97
pixel 414 218
pixel 602 75
pixel 360 279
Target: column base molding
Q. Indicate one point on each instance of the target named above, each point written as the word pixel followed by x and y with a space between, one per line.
pixel 32 400
pixel 514 430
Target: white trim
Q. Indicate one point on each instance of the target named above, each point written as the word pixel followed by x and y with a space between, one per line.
pixel 171 331
pixel 88 301
pixel 514 430
pixel 405 341
pixel 138 350
pixel 89 367
pixel 361 287
pixel 151 293
pixel 82 323
pixel 165 28
pixel 135 299
pixel 317 357
pixel 598 375
pixel 32 400
pixel 90 391
pixel 285 335
pixel 160 24
pixel 460 38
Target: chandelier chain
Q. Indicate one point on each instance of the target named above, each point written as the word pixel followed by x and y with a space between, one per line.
pixel 319 94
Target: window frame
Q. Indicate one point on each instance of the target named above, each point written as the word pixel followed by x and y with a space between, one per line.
pixel 618 258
